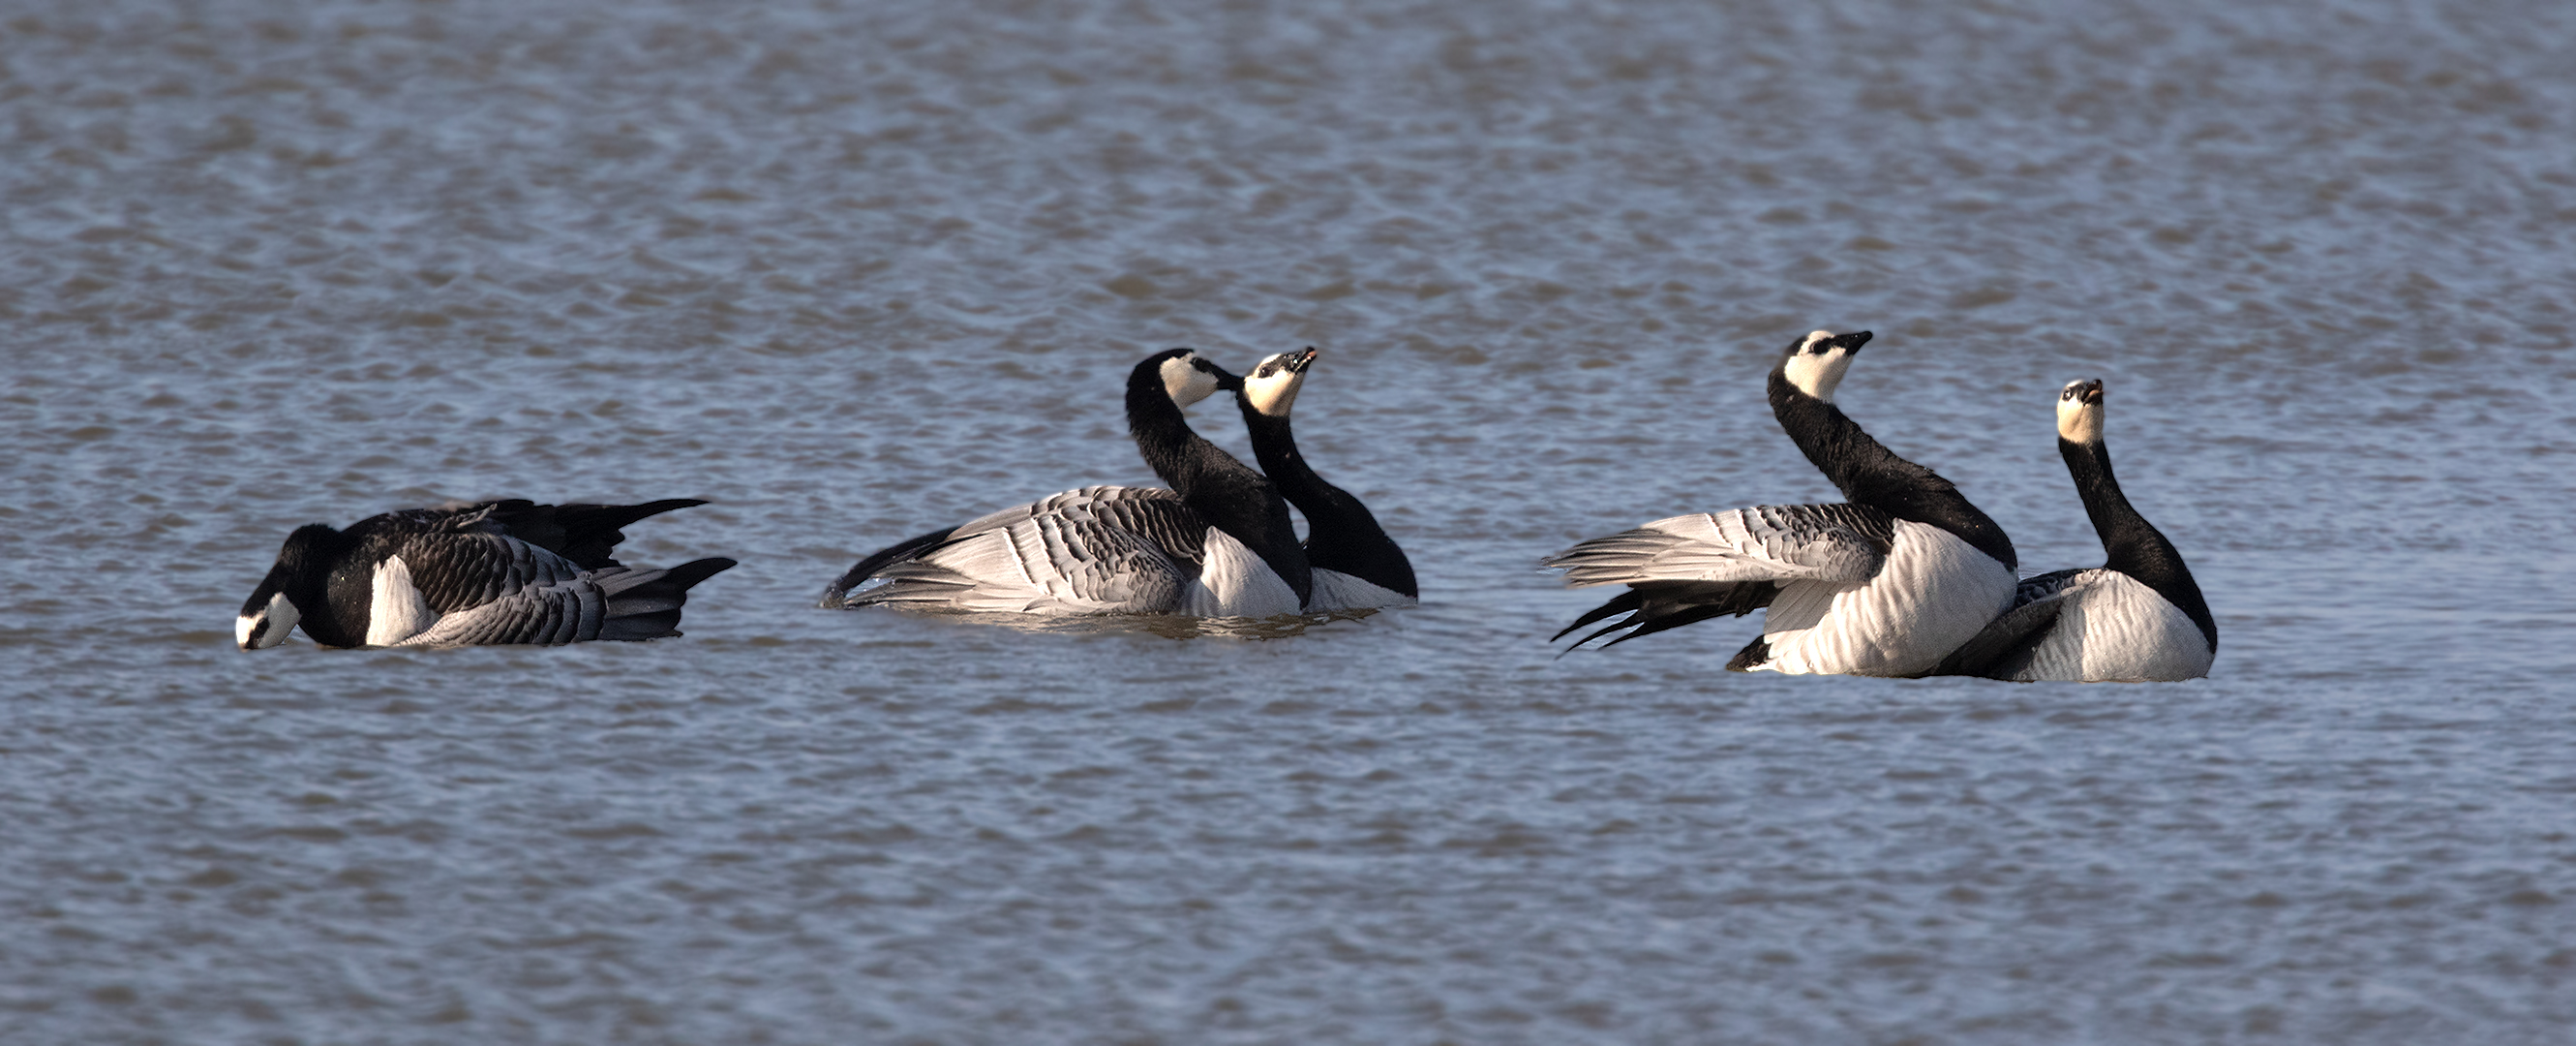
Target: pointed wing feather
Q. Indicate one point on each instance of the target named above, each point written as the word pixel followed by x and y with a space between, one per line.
pixel 1835 543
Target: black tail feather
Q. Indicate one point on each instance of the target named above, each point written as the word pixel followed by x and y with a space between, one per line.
pixel 1754 653
pixel 585 534
pixel 650 608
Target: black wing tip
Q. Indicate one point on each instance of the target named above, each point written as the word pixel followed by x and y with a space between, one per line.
pixel 837 596
pixel 688 574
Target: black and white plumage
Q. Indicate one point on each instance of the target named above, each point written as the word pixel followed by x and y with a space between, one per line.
pixel 2137 618
pixel 1357 567
pixel 1218 543
pixel 1885 584
pixel 496 572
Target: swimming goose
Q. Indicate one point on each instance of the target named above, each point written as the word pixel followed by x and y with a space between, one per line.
pixel 491 573
pixel 1356 565
pixel 2137 618
pixel 1219 543
pixel 1885 584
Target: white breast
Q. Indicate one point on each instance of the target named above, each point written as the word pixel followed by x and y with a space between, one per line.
pixel 395 608
pixel 2116 629
pixel 1236 583
pixel 1335 590
pixel 1934 593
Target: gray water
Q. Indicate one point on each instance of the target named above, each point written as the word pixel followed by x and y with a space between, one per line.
pixel 855 271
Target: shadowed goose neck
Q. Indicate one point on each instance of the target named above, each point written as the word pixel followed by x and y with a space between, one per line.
pixel 1869 474
pixel 1342 535
pixel 2134 546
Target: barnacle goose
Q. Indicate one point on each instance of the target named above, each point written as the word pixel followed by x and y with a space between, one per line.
pixel 2137 618
pixel 1884 584
pixel 1219 543
pixel 490 573
pixel 1357 567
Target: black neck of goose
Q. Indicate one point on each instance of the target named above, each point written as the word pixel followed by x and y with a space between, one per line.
pixel 1341 534
pixel 1230 496
pixel 313 568
pixel 1870 474
pixel 2134 546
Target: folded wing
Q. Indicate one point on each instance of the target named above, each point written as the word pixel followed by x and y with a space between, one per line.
pixel 611 603
pixel 1094 550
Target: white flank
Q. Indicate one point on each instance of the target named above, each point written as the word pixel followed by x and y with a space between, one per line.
pixel 1236 583
pixel 1934 593
pixel 395 608
pixel 2114 629
pixel 1335 590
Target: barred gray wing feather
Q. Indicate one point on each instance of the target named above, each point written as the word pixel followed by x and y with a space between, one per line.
pixel 1094 550
pixel 611 603
pixel 1832 543
pixel 1720 564
pixel 460 570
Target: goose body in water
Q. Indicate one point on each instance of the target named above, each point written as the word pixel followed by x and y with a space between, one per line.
pixel 1356 566
pixel 1218 543
pixel 497 572
pixel 2137 618
pixel 1884 584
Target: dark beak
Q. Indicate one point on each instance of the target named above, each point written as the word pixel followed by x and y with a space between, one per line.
pixel 2091 392
pixel 1297 362
pixel 1851 342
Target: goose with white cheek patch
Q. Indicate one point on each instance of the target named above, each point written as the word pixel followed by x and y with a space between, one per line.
pixel 1885 584
pixel 2137 618
pixel 1357 567
pixel 1218 543
pixel 498 572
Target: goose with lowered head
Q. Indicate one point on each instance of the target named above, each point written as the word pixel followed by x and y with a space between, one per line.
pixel 497 572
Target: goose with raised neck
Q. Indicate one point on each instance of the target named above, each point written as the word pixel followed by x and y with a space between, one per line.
pixel 1356 565
pixel 2139 617
pixel 1883 584
pixel 1217 543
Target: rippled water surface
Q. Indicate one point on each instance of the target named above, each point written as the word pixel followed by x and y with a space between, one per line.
pixel 854 271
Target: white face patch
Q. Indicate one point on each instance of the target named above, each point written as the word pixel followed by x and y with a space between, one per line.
pixel 2079 411
pixel 1271 388
pixel 268 627
pixel 1185 382
pixel 1818 365
pixel 396 610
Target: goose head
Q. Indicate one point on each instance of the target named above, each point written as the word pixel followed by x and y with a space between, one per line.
pixel 1271 388
pixel 2079 411
pixel 1189 377
pixel 1815 364
pixel 271 611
